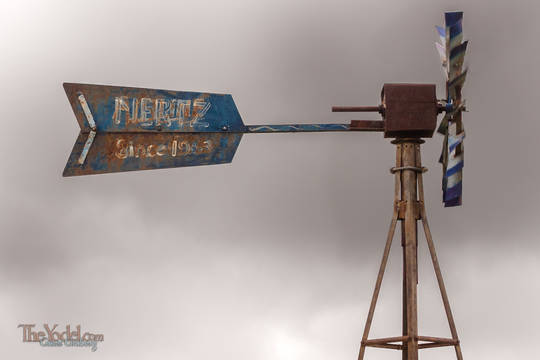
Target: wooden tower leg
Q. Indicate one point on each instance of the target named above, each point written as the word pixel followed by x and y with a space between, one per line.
pixel 435 261
pixel 409 208
pixel 409 197
pixel 384 260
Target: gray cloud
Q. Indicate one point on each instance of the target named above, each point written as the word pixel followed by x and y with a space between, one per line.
pixel 275 255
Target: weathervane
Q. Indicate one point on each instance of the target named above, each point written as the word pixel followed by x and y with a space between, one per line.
pixel 124 129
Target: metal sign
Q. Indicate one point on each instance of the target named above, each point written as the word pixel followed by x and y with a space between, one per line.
pixel 125 129
pixel 116 152
pixel 120 109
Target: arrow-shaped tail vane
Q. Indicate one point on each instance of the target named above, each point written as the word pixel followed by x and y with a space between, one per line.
pixel 124 129
pixel 452 52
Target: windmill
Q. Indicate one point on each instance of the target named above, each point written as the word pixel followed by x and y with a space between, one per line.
pixel 125 129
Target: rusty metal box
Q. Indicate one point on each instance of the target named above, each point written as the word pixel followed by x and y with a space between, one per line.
pixel 410 110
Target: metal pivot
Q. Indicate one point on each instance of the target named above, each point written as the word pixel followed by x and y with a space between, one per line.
pixel 409 208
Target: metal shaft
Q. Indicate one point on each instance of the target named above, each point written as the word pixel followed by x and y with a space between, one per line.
pixel 357 108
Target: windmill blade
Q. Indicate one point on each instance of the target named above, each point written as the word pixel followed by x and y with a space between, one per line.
pixel 441 49
pixel 442 35
pixel 455 85
pixel 453 28
pixel 451 125
pixel 457 56
pixel 454 36
pixel 126 129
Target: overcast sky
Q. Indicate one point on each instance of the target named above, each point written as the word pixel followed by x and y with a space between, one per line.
pixel 272 257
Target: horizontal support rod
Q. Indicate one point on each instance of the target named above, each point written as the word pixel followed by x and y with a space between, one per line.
pixel 356 125
pixel 385 340
pixel 431 339
pixel 433 345
pixel 385 343
pixel 245 130
pixel 386 346
pixel 296 128
pixel 401 347
pixel 357 108
pixel 437 339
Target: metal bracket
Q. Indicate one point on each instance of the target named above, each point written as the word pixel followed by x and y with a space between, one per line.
pixel 414 168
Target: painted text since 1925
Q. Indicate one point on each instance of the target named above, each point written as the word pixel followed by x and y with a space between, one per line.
pixel 125 149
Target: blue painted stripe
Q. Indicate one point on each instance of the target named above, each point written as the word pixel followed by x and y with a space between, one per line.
pixel 441 31
pixel 456 36
pixel 453 202
pixel 452 17
pixel 454 141
pixel 452 146
pixel 451 171
pixel 453 192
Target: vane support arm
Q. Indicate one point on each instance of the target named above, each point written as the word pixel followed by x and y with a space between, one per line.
pixel 356 125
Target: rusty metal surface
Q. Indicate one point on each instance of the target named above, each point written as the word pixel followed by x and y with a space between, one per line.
pixel 116 152
pixel 367 125
pixel 120 108
pixel 410 110
pixel 357 108
pixel 126 128
pixel 87 113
